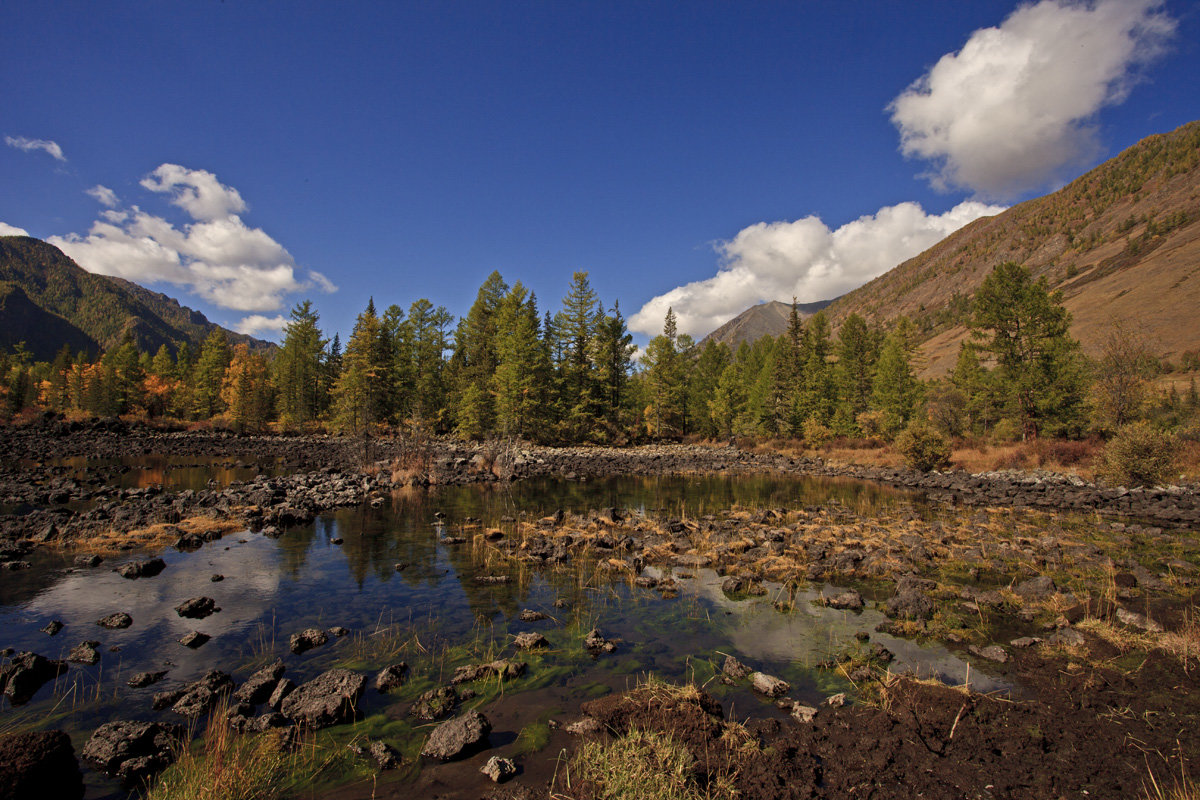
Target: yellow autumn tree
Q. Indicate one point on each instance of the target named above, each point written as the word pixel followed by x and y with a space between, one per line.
pixel 246 389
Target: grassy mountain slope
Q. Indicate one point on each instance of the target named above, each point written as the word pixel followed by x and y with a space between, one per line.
pixel 761 320
pixel 49 300
pixel 1122 242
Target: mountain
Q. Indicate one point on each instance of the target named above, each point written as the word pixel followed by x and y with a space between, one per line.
pixel 1122 242
pixel 47 300
pixel 764 319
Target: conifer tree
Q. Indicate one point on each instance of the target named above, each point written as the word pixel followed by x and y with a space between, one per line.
pixel 575 332
pixel 857 351
pixel 298 367
pixel 474 359
pixel 522 365
pixel 362 388
pixel 208 374
pixel 665 382
pixel 896 390
pixel 614 361
pixel 423 341
pixel 1025 330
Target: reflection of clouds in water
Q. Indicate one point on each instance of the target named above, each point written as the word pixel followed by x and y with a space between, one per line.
pixel 250 588
pixel 808 633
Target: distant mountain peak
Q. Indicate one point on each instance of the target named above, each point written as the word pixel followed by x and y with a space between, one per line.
pixel 765 319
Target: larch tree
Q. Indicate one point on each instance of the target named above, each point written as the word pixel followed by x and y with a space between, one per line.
pixel 298 367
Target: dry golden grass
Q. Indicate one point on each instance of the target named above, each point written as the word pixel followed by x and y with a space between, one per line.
pixel 112 542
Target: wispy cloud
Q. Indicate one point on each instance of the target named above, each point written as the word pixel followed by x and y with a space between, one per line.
pixel 29 145
pixel 1014 108
pixel 104 195
pixel 216 256
pixel 802 259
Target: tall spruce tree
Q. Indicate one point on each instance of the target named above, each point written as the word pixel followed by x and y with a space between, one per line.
pixel 208 374
pixel 362 389
pixel 298 367
pixel 522 365
pixel 666 385
pixel 575 331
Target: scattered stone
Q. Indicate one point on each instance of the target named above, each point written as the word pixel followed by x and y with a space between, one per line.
pixel 435 704
pixel 217 577
pixel 769 685
pixel 194 639
pixel 1038 588
pixel 735 669
pixel 337 540
pixel 646 581
pixel 39 764
pixel 595 643
pixel 504 668
pixel 384 756
pixel 166 699
pixel 802 713
pixel 21 678
pixel 530 641
pixel 585 726
pixel 1025 641
pixel 529 615
pixel 282 689
pixel 88 560
pixel 143 679
pixel 1136 620
pixel 268 722
pixel 197 607
pixel 499 769
pixel 458 736
pixel 337 631
pixel 836 700
pixel 306 640
pixel 733 585
pixel 992 652
pixel 115 621
pixel 391 677
pixel 200 697
pixel 142 569
pixel 133 751
pixel 259 686
pixel 84 653
pixel 1067 637
pixel 491 580
pixel 328 699
pixel 849 599
pixel 910 600
pixel 52 627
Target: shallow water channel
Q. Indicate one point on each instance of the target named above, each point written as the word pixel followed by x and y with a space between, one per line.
pixel 406 594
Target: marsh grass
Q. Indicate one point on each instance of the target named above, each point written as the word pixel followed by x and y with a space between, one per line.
pixel 228 766
pixel 1182 788
pixel 115 542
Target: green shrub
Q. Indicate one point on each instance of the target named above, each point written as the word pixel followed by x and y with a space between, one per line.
pixel 1139 455
pixel 923 447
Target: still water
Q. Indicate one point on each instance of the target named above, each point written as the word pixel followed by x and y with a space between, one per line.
pixel 405 593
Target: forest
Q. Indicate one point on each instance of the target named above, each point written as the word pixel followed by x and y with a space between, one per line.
pixel 574 376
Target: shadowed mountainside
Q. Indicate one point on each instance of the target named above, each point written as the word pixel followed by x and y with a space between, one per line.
pixel 47 300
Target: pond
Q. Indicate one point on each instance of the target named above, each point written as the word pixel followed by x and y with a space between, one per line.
pixel 394 577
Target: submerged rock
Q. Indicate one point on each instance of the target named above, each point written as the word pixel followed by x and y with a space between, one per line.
pixel 529 615
pixel 21 678
pixel 194 639
pixel 850 600
pixel 306 640
pixel 115 621
pixel 530 641
pixel 37 765
pixel 769 684
pixel 735 669
pixel 132 750
pixel 84 653
pixel 435 703
pixel 328 699
pixel 504 668
pixel 146 678
pixel 458 736
pixel 52 627
pixel 142 569
pixel 390 677
pixel 595 643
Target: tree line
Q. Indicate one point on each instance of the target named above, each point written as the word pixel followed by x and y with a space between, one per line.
pixel 508 370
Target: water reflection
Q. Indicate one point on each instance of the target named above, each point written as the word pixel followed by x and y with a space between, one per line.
pixel 366 568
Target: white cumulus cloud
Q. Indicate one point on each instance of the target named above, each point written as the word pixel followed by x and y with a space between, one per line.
pixel 12 230
pixel 1014 108
pixel 104 195
pixel 216 256
pixel 802 259
pixel 29 145
pixel 257 323
pixel 196 191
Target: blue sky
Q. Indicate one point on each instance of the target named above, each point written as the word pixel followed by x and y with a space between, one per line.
pixel 242 156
